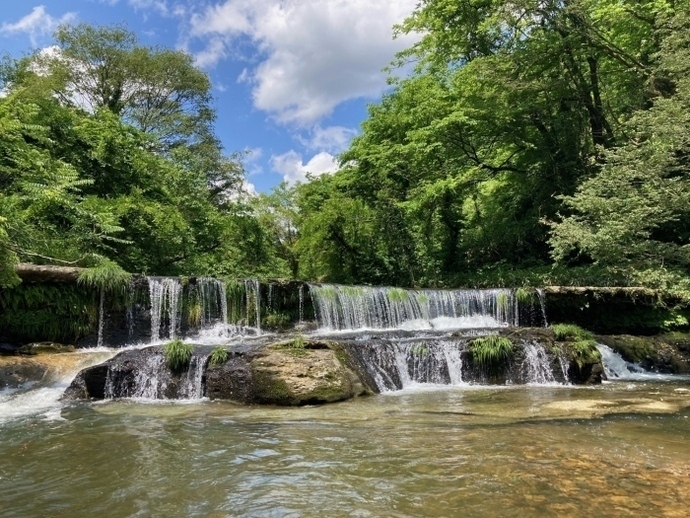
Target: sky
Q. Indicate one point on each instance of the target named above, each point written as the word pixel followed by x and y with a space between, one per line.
pixel 291 79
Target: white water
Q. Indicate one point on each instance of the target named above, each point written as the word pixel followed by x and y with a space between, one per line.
pixel 165 294
pixel 616 368
pixel 537 365
pixel 351 308
pixel 42 398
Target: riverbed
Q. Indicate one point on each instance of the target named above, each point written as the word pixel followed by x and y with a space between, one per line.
pixel 619 449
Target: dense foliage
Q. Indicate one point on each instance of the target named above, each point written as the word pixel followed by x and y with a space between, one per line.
pixel 107 154
pixel 536 142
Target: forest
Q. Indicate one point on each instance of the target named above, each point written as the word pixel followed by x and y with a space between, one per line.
pixel 527 143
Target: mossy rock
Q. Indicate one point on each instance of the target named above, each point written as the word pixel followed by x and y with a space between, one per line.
pixel 311 374
pixel 668 353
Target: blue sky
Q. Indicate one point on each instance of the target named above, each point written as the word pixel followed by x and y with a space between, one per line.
pixel 291 78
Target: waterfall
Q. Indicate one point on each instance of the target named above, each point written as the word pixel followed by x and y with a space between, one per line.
pixel 616 367
pixel 537 367
pixel 165 294
pixel 101 318
pixel 150 378
pixel 402 364
pixel 252 289
pixel 363 307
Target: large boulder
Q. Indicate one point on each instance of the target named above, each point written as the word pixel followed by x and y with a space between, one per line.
pixel 285 373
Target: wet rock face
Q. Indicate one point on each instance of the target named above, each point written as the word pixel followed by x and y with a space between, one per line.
pixel 233 380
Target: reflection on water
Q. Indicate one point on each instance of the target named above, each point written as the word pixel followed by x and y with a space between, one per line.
pixel 528 451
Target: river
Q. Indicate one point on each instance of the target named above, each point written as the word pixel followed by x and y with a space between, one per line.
pixel 620 449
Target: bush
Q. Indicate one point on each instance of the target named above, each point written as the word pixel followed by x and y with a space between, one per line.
pixel 177 354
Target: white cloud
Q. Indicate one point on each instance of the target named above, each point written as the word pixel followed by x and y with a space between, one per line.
pixel 333 139
pixel 36 24
pixel 293 169
pixel 213 52
pixel 156 5
pixel 314 54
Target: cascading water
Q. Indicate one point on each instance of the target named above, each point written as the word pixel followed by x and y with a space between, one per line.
pixel 252 289
pixel 146 376
pixel 362 307
pixel 616 368
pixel 537 366
pixel 397 365
pixel 165 294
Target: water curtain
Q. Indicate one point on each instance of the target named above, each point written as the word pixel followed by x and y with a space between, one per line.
pixel 341 307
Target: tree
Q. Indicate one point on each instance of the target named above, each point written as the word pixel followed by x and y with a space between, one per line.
pixel 633 216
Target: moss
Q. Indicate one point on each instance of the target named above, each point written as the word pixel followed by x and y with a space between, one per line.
pixel 633 348
pixel 269 389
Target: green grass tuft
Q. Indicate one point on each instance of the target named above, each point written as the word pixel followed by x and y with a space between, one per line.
pixel 565 332
pixel 177 354
pixel 490 351
pixel 219 356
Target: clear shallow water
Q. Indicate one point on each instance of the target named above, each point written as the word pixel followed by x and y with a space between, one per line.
pixel 426 451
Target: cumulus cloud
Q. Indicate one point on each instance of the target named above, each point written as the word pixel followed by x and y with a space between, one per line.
pixel 38 23
pixel 333 139
pixel 291 166
pixel 313 54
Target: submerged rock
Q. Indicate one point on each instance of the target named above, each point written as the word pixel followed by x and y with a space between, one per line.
pixel 45 348
pixel 16 371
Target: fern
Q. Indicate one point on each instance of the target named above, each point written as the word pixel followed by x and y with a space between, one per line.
pixel 107 275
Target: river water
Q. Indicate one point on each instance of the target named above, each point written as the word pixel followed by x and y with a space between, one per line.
pixel 621 449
